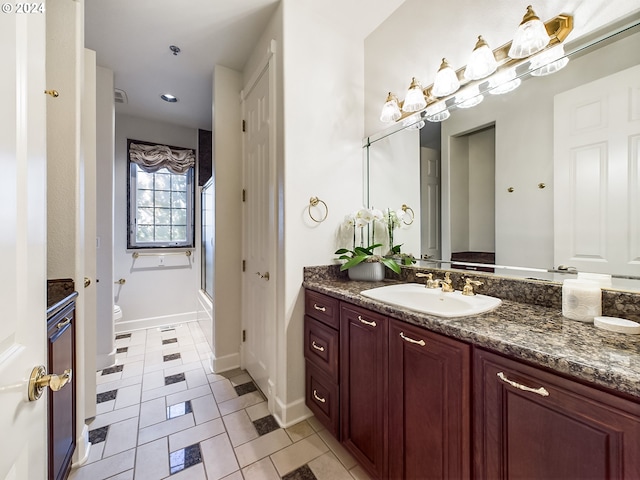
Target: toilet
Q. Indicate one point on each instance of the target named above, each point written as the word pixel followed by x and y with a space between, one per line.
pixel 117 313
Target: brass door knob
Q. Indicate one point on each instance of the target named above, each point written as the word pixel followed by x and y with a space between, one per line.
pixel 39 380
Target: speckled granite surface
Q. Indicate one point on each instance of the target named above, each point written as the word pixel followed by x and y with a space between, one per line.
pixel 538 334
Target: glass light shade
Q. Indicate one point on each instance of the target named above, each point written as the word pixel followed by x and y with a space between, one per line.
pixel 504 82
pixel 482 62
pixel 530 38
pixel 549 61
pixel 446 81
pixel 413 122
pixel 390 110
pixel 414 100
pixel 437 112
pixel 469 97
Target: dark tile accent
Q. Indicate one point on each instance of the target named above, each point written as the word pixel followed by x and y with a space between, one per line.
pixel 122 350
pixel 266 425
pixel 123 335
pixel 245 388
pixel 110 370
pixel 168 329
pixel 173 356
pixel 178 377
pixel 185 458
pixel 98 435
pixel 169 340
pixel 302 473
pixel 179 409
pixel 106 396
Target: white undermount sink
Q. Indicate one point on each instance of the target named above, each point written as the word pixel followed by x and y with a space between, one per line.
pixel 433 301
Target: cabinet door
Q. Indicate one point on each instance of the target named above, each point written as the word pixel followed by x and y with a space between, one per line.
pixel 429 404
pixel 533 424
pixel 363 386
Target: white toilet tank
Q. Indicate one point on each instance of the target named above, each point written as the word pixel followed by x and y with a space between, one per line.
pixel 117 313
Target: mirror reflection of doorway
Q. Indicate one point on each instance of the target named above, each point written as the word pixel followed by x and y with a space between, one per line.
pixel 472 170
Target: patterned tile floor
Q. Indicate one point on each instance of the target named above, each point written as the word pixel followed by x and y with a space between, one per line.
pixel 162 414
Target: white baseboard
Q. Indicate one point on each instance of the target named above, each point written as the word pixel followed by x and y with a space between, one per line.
pixel 154 322
pixel 223 364
pixel 289 414
pixel 83 447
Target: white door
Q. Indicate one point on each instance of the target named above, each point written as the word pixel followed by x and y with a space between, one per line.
pixel 22 243
pixel 597 175
pixel 258 295
pixel 430 202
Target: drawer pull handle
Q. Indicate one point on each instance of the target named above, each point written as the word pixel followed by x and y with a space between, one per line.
pixel 64 323
pixel 540 391
pixel 362 320
pixel 320 399
pixel 411 340
pixel 318 307
pixel 320 348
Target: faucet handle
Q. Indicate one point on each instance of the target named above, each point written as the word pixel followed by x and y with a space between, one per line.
pixel 431 283
pixel 447 284
pixel 468 287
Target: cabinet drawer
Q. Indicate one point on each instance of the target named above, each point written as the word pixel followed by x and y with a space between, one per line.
pixel 323 308
pixel 321 346
pixel 322 398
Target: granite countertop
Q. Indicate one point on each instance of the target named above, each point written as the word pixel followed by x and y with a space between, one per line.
pixel 59 293
pixel 537 334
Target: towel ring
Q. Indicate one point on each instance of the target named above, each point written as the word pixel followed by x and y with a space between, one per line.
pixel 314 202
pixel 406 209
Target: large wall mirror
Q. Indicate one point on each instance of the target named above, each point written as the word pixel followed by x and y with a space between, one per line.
pixel 543 177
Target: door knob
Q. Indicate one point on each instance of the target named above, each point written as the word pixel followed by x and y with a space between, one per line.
pixel 39 380
pixel 264 276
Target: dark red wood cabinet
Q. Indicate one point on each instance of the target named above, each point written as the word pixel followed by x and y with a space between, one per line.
pixel 363 386
pixel 429 404
pixel 529 423
pixel 62 412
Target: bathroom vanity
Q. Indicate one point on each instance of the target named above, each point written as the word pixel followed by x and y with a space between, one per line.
pixel 515 392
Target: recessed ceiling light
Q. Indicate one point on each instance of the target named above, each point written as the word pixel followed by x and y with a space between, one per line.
pixel 167 97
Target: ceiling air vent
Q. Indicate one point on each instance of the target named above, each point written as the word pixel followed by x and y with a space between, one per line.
pixel 120 96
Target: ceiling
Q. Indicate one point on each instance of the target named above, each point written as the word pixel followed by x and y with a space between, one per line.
pixel 133 38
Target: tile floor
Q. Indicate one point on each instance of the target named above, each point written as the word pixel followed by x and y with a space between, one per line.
pixel 162 414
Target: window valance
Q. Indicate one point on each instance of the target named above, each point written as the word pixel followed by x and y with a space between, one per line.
pixel 152 158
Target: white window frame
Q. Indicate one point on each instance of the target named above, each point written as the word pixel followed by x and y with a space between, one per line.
pixel 132 211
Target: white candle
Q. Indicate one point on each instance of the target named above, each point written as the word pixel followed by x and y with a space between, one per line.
pixel 581 300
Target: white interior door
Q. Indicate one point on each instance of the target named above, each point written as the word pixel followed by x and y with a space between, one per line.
pixel 430 202
pixel 258 317
pixel 22 244
pixel 597 175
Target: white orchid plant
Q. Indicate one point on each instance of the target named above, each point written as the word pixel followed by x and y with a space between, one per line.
pixel 365 224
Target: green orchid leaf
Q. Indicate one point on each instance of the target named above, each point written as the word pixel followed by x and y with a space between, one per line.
pixel 391 263
pixel 341 250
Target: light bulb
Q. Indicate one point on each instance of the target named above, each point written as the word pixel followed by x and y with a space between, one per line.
pixel 482 62
pixel 531 36
pixel 414 100
pixel 446 81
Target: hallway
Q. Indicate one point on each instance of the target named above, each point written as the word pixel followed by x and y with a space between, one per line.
pixel 161 414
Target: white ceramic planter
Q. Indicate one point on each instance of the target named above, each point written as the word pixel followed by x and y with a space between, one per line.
pixel 367 271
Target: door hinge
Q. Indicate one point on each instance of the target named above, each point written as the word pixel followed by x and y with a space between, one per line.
pixel 244 126
pixel 244 265
pixel 244 195
pixel 244 335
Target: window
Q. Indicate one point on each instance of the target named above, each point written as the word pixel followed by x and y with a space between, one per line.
pixel 161 196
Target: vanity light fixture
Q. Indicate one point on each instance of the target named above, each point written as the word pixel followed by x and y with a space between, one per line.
pixel 167 97
pixel 501 79
pixel 446 81
pixel 531 36
pixel 482 62
pixel 414 100
pixel 504 82
pixel 391 109
pixel 549 61
pixel 413 122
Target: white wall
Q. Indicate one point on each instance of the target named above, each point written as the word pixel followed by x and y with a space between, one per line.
pixel 227 175
pixel 152 294
pixel 105 138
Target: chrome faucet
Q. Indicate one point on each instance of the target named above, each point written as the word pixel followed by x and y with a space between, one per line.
pixel 468 288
